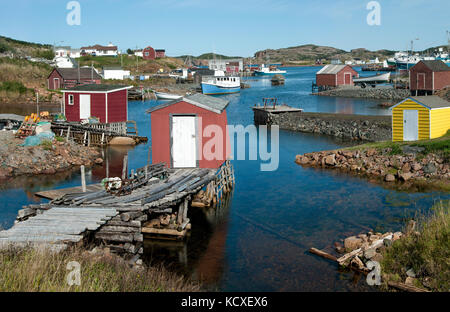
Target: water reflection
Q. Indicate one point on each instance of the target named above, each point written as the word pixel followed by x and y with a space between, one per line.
pixel 202 255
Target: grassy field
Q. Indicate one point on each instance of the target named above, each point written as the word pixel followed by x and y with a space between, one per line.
pixel 427 252
pixel 439 146
pixel 29 270
pixel 136 65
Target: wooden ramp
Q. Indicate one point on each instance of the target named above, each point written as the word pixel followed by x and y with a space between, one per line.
pixel 57 226
pixel 53 194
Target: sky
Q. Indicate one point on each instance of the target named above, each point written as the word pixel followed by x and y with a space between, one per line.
pixel 229 27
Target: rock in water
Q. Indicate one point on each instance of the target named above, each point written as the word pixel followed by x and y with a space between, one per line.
pixel 389 178
pixel 122 141
pixel 352 242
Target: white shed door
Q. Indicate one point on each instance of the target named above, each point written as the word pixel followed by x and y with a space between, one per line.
pixel 85 106
pixel 410 125
pixel 184 146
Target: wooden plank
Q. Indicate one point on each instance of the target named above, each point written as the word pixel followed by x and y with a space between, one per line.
pixel 148 230
pixel 53 194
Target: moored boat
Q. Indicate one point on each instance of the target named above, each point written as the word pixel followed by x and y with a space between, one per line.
pixel 167 96
pixel 221 84
pixel 271 70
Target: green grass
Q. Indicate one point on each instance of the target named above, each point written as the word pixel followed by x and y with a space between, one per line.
pixel 31 270
pixel 47 145
pixel 440 146
pixel 14 86
pixel 428 253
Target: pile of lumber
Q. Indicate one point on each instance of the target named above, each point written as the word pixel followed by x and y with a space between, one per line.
pixel 122 234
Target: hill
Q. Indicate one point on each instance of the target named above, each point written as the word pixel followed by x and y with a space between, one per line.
pixel 208 56
pixel 310 53
pixel 23 48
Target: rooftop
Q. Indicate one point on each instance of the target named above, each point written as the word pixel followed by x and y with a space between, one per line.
pixel 97 88
pixel 431 101
pixel 437 65
pixel 331 69
pixel 210 103
pixel 72 73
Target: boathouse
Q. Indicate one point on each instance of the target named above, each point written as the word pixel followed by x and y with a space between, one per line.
pixel 420 118
pixel 335 75
pixel 183 129
pixel 109 103
pixel 427 77
pixel 63 78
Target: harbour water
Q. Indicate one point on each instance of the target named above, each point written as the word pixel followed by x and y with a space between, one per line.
pixel 258 239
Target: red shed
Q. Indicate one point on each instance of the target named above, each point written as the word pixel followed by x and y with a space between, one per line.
pixel 63 78
pixel 335 75
pixel 190 132
pixel 109 103
pixel 160 53
pixel 149 53
pixel 426 77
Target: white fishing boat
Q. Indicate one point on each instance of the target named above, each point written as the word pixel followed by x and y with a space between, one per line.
pixel 167 96
pixel 372 80
pixel 221 84
pixel 271 70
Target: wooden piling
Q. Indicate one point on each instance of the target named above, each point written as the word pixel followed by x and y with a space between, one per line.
pixel 83 179
pixel 124 168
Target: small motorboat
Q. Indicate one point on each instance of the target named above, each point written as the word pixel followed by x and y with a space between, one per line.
pixel 167 96
pixel 372 80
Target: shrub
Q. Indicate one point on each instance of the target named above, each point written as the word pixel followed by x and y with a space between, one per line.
pixel 13 86
pixel 427 253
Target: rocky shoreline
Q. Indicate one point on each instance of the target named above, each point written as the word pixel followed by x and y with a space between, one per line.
pixel 409 169
pixel 16 160
pixel 368 93
pixel 344 126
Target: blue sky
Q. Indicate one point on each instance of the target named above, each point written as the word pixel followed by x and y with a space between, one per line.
pixel 231 27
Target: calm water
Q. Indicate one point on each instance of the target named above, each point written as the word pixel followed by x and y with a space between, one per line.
pixel 258 239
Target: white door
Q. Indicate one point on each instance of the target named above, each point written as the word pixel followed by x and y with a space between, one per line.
pixel 410 125
pixel 184 142
pixel 85 106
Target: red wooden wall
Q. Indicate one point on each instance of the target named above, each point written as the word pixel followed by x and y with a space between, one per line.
pixel 160 129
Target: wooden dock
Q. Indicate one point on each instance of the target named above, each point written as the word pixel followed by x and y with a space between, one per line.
pixel 153 201
pixel 97 134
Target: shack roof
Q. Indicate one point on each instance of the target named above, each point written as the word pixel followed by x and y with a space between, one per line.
pixel 331 69
pixel 436 65
pixel 430 102
pixel 98 88
pixel 72 73
pixel 210 103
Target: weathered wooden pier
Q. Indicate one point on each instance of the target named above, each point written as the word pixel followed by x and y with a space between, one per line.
pixel 153 202
pixel 97 134
pixel 270 106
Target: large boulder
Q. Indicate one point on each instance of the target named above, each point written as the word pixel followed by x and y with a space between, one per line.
pixel 122 141
pixel 330 160
pixel 353 242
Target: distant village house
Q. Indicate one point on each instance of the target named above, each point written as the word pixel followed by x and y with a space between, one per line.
pixel 99 50
pixel 63 78
pixel 116 73
pixel 335 75
pixel 228 66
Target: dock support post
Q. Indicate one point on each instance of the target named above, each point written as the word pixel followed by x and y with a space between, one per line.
pixel 83 179
pixel 185 208
pixel 68 134
pixel 124 168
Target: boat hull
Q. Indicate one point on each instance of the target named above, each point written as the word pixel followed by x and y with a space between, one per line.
pixel 261 73
pixel 166 96
pixel 210 89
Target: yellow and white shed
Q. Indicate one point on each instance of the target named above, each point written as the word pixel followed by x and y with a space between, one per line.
pixel 420 118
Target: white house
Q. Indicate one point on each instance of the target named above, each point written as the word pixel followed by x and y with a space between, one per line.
pixel 116 73
pixel 62 51
pixel 139 53
pixel 75 53
pixel 226 65
pixel 64 62
pixel 99 50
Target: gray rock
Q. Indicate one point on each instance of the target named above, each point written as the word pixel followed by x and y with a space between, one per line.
pixel 387 242
pixel 411 273
pixel 429 168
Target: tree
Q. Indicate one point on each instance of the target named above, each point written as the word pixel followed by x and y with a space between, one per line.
pixel 129 51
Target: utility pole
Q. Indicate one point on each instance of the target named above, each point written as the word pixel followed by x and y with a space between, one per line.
pixel 37 103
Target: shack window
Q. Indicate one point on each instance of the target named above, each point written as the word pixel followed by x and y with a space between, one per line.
pixel 70 99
